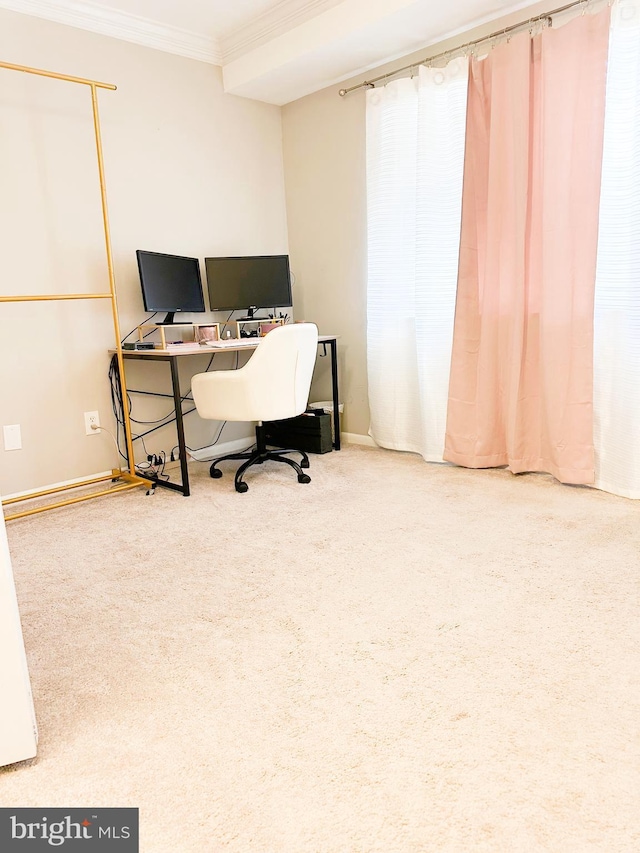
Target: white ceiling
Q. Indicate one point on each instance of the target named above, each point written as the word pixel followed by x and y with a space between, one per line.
pixel 277 50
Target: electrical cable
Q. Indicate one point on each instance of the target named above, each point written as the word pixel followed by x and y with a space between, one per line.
pixel 110 434
pixel 148 320
pixel 142 467
pixel 144 446
pixel 154 467
pixel 204 446
pixel 117 404
pixel 169 418
pixel 163 456
pixel 116 401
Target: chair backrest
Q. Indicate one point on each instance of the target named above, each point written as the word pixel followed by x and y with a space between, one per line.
pixel 281 369
pixel 272 385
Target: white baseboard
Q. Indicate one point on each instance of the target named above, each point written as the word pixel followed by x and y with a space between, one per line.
pixel 214 450
pixel 61 485
pixel 355 438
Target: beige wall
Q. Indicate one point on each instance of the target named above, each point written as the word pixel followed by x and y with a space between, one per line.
pixel 323 139
pixel 325 178
pixel 190 171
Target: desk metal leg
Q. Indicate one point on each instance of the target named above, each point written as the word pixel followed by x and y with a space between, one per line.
pixel 182 448
pixel 336 395
pixel 183 487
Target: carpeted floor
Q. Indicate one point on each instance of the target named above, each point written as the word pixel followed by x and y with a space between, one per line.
pixel 398 657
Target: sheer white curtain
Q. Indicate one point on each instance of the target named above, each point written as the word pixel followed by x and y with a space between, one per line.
pixel 415 159
pixel 617 302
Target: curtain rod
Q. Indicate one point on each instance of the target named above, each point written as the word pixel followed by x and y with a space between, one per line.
pixel 546 16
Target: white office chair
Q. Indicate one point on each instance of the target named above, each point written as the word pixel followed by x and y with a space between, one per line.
pixel 274 384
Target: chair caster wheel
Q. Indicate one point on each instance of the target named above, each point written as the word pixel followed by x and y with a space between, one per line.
pixel 216 473
pixel 242 488
pixel 151 492
pixel 304 478
pixel 305 463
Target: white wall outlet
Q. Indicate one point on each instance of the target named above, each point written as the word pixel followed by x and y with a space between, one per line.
pixel 12 437
pixel 91 419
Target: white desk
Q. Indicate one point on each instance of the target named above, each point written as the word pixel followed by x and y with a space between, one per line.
pixel 172 357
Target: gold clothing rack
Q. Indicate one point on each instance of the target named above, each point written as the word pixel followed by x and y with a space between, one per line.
pixel 130 479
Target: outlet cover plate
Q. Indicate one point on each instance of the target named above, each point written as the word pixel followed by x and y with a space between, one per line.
pixel 91 418
pixel 12 437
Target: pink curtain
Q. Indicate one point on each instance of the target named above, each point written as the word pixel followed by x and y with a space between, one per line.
pixel 520 391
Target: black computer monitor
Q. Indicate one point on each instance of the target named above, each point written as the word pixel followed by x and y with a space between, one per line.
pixel 248 283
pixel 170 283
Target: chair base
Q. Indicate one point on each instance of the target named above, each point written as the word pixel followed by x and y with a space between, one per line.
pixel 258 457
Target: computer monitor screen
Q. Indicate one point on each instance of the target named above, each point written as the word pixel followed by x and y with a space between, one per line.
pixel 248 282
pixel 170 283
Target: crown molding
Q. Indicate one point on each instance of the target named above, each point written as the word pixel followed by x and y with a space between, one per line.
pixel 270 24
pixel 133 28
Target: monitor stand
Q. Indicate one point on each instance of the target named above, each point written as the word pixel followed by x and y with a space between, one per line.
pixel 168 320
pixel 250 315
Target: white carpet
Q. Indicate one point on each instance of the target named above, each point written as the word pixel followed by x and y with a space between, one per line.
pixel 397 657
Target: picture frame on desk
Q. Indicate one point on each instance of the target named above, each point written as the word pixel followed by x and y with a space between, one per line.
pixel 206 332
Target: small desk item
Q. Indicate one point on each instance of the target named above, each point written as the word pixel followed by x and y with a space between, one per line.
pixel 176 353
pixel 258 322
